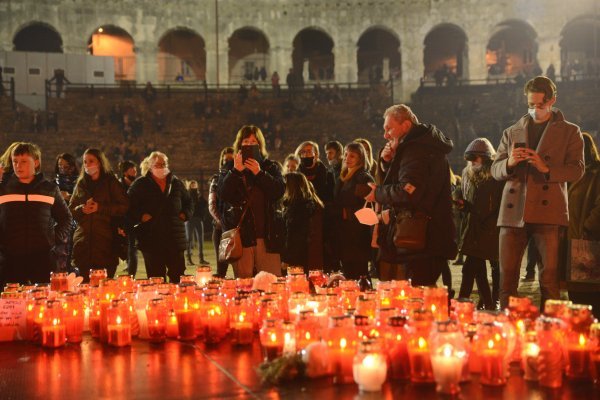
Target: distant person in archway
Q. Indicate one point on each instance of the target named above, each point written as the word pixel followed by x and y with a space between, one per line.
pixel 60 79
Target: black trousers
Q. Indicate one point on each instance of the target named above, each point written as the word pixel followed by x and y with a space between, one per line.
pixel 221 266
pixel 475 270
pixel 27 268
pixel 166 262
pixel 425 271
pixel 355 269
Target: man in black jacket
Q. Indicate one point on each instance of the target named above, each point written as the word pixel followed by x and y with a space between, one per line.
pixel 35 222
pixel 417 179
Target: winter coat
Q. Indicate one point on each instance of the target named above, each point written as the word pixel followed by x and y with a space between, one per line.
pixel 200 204
pixel 530 196
pixel 94 236
pixel 353 238
pixel 165 229
pixel 34 218
pixel 303 221
pixel 233 190
pixel 418 179
pixel 480 235
pixel 321 178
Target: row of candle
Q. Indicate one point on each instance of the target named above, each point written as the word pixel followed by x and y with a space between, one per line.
pixel 201 307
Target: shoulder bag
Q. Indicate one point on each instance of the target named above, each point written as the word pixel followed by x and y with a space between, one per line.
pixel 230 246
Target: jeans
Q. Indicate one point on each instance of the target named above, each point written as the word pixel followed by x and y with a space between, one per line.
pixel 513 242
pixel 194 228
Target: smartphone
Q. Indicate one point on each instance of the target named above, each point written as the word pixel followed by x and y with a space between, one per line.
pixel 251 151
pixel 519 145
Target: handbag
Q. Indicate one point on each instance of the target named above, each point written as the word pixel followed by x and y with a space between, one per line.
pixel 230 245
pixel 411 230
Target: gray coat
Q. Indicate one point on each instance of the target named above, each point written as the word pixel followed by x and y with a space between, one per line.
pixel 530 196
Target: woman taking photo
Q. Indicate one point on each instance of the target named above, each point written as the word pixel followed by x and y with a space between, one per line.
pixel 303 218
pixel 255 182
pixel 98 198
pixel 160 204
pixel 353 238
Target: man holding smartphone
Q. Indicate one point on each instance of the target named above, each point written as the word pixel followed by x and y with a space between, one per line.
pixel 537 156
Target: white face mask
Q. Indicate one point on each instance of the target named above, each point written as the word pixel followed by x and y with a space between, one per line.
pixel 160 173
pixel 539 114
pixel 367 216
pixel 91 170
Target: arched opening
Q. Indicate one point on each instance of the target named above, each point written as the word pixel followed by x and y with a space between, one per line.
pixel 580 47
pixel 314 48
pixel 378 56
pixel 182 56
pixel 39 37
pixel 445 54
pixel 110 40
pixel 512 50
pixel 248 55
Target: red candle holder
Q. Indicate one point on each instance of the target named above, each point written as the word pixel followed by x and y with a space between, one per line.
pixel 448 356
pixel 119 327
pixel 172 325
pixel 396 343
pixel 595 353
pixel 214 319
pixel 186 309
pixel 578 356
pixel 418 346
pixel 53 327
pixel 436 300
pixel 125 283
pixel 96 276
pixel 156 314
pixel 551 355
pixel 272 339
pixel 34 319
pixel 307 329
pixel 241 317
pixel 74 315
pixel 557 309
pixel 492 349
pixel 342 348
pixel 462 311
pixel 59 281
pixel 366 304
pixel 108 290
pixel 203 275
pixel 529 356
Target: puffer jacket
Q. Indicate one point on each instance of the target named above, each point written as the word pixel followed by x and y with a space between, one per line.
pixel 166 228
pixel 93 238
pixel 33 218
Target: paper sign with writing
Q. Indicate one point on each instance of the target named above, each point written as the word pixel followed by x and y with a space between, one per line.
pixel 12 319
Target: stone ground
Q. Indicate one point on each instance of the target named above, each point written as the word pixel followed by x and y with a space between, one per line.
pixel 530 289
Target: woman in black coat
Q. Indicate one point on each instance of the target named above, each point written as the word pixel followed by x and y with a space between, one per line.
pixel 315 171
pixel 255 181
pixel 159 206
pixel 354 238
pixel 97 200
pixel 303 218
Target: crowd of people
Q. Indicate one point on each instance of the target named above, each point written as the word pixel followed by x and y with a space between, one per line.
pixel 399 213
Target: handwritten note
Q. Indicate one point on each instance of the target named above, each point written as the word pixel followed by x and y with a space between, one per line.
pixel 12 319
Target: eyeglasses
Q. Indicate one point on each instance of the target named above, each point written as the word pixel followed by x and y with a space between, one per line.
pixel 307 153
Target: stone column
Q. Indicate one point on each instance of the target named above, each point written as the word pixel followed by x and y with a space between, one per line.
pixel 146 66
pixel 345 69
pixel 280 61
pixel 412 69
pixel 477 65
pixel 549 52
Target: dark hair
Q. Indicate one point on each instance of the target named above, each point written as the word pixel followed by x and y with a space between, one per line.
pixel 125 166
pixel 226 150
pixel 31 149
pixel 541 84
pixel 590 151
pixel 105 167
pixel 70 159
pixel 245 132
pixel 334 144
pixel 358 148
pixel 297 187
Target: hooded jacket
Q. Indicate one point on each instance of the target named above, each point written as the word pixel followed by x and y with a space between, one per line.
pixel 33 218
pixel 418 179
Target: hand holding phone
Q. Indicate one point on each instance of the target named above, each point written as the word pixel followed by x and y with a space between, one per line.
pixel 250 151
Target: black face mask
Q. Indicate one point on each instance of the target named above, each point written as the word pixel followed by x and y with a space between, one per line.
pixel 307 162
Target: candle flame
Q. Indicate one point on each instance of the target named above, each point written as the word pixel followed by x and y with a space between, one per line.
pixel 520 325
pixel 422 343
pixel 118 320
pixel 307 335
pixel 30 307
pixel 497 337
pixel 370 361
pixel 74 313
pixel 447 350
pixel 155 322
pixel 398 337
pixel 343 343
pixel 55 321
pixel 433 308
pixel 273 337
pixel 582 339
pixel 490 344
pixel 241 317
pixel 185 304
pixel 402 293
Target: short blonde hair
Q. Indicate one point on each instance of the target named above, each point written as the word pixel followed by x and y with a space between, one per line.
pixel 401 112
pixel 314 145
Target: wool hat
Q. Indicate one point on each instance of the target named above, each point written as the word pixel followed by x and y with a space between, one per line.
pixel 480 147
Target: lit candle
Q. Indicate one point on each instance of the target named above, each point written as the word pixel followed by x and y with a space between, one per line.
pixel 271 339
pixel 344 360
pixel 241 331
pixel 492 365
pixel 172 325
pixel 529 361
pixel 216 324
pixel 420 362
pixel 578 358
pixel 54 335
pixel 95 322
pixel 119 333
pixel 447 367
pixel 369 372
pixel 185 322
